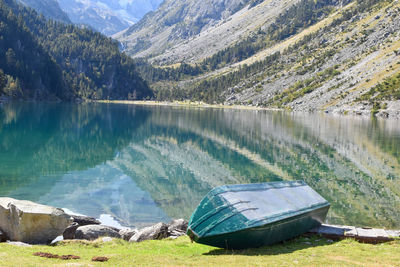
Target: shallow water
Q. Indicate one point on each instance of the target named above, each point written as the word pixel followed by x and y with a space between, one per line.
pixel 139 165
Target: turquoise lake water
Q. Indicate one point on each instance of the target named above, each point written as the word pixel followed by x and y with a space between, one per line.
pixel 136 165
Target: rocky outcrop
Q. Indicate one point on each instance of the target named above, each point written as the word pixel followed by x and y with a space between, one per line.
pixel 32 223
pixel 92 232
pixel 155 232
pixel 193 25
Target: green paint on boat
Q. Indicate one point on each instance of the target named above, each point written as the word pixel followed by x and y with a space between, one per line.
pixel 253 215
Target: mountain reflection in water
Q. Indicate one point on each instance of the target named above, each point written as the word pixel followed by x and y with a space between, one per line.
pixel 148 164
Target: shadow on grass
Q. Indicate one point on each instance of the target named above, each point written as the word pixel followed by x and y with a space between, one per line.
pixel 286 247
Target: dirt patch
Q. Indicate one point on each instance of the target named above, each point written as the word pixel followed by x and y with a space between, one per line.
pixel 55 256
pixel 100 259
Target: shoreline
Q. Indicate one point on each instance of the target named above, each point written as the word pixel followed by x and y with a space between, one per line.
pixel 383 114
pixel 391 114
pixel 185 104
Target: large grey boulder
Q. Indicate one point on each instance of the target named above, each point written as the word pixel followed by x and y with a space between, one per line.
pixel 92 232
pixel 32 223
pixel 155 232
pixel 79 220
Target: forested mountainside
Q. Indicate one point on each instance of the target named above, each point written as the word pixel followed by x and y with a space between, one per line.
pixel 336 56
pixel 108 16
pixel 49 8
pixel 44 59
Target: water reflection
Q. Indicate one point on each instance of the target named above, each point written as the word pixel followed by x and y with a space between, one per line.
pixel 148 164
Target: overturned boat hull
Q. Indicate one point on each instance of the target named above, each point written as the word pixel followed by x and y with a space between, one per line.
pixel 246 216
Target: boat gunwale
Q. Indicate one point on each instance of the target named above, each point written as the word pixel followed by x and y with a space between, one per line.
pixel 255 187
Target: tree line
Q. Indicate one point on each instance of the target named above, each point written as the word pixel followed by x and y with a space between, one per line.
pixel 45 59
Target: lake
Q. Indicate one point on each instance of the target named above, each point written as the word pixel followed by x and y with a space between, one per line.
pixel 135 165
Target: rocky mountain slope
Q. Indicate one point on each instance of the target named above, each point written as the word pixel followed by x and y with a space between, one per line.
pixel 191 30
pixel 107 16
pixel 49 8
pixel 334 56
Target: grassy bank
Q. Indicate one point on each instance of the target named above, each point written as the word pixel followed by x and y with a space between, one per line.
pixel 181 252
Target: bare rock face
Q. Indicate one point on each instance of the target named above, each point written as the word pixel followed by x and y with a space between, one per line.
pixel 92 232
pixel 155 232
pixel 32 223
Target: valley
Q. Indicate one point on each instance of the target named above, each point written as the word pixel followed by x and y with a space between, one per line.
pixel 334 56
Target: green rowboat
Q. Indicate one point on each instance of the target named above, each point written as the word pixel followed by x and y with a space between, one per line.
pixel 253 215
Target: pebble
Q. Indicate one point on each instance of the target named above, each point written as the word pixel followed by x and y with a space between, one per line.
pixel 106 239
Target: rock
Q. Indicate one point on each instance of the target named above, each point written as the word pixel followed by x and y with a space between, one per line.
pixel 127 233
pixel 92 232
pixel 84 220
pixel 69 233
pixel 179 224
pixel 106 239
pixel 32 223
pixel 3 236
pixel 176 233
pixel 177 228
pixel 19 244
pixel 155 232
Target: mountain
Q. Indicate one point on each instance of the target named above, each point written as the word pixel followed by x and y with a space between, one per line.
pixel 49 8
pixel 107 17
pixel 51 60
pixel 332 56
pixel 192 29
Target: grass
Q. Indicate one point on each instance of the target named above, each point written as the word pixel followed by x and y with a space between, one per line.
pixel 181 252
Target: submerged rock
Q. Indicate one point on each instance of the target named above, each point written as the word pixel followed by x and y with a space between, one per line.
pixel 32 223
pixel 92 232
pixel 155 232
